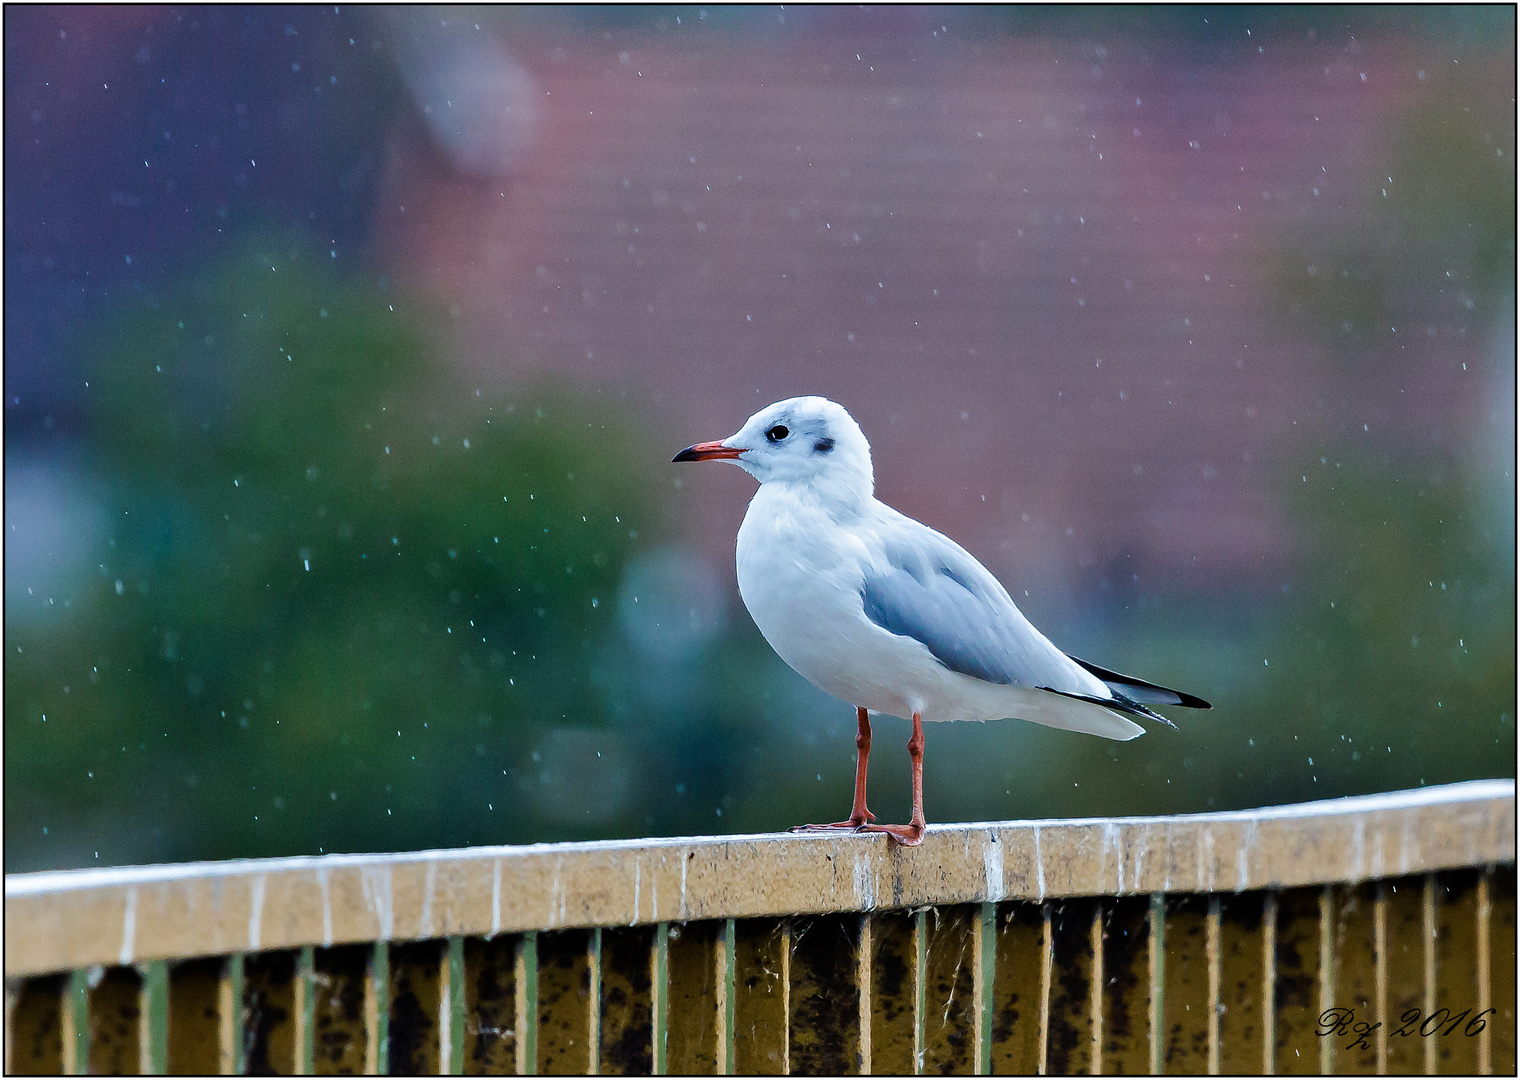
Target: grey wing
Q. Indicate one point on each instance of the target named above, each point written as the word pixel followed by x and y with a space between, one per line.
pixel 928 588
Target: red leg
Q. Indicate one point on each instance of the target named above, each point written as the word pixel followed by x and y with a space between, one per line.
pixel 911 834
pixel 859 815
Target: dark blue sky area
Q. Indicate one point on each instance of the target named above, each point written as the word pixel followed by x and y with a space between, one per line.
pixel 139 141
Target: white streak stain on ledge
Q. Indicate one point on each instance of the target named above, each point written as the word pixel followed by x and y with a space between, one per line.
pixel 430 881
pixel 495 897
pixel 129 927
pixel 256 910
pixel 992 865
pixel 864 882
pixel 685 862
pixel 376 883
pixel 1243 857
pixel 1113 842
pixel 322 882
pixel 1039 864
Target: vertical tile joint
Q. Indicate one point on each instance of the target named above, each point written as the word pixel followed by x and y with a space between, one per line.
pixel 527 1003
pixel 1095 988
pixel 1269 984
pixel 451 1009
pixel 786 997
pixel 153 1022
pixel 1157 978
pixel 377 1010
pixel 1485 970
pixel 1212 947
pixel 1326 972
pixel 1047 958
pixel 660 994
pixel 983 972
pixel 1380 975
pixel 231 1018
pixel 863 979
pixel 304 992
pixel 724 981
pixel 76 1023
pixel 920 978
pixel 594 1002
pixel 1428 918
pixel 12 999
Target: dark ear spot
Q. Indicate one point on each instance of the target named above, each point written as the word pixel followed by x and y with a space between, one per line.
pixel 823 446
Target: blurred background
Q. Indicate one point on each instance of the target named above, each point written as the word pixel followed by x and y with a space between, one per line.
pixel 346 350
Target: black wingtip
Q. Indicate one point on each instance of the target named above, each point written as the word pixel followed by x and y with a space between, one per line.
pixel 1139 690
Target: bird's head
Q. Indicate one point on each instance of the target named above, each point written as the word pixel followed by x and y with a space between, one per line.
pixel 809 441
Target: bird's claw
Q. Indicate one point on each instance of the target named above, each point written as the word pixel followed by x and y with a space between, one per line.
pixel 906 835
pixel 836 826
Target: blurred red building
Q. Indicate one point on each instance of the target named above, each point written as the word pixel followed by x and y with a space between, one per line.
pixel 1042 273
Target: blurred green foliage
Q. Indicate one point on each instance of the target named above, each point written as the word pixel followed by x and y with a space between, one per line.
pixel 1428 238
pixel 347 602
pixel 327 561
pixel 1389 662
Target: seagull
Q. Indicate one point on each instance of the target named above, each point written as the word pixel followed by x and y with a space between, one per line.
pixel 876 608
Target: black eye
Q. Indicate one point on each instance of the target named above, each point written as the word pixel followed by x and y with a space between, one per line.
pixel 777 433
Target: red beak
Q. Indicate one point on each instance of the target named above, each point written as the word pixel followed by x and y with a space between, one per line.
pixel 708 451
